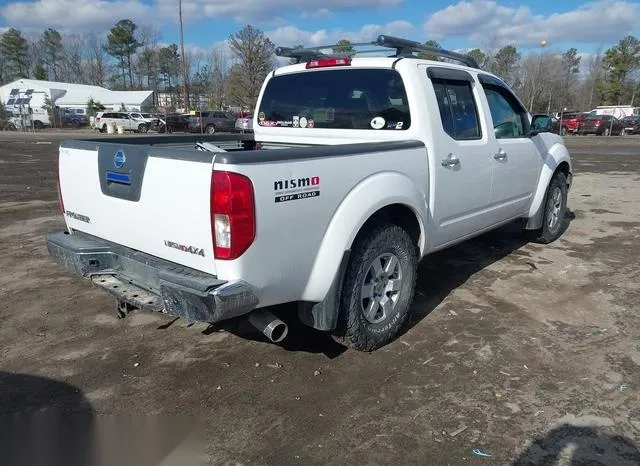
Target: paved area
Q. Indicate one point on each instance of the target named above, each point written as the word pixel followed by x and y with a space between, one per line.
pixel 529 353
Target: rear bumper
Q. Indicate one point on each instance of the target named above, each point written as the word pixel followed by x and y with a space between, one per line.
pixel 150 283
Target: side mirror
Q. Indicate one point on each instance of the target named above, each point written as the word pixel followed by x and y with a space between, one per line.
pixel 541 123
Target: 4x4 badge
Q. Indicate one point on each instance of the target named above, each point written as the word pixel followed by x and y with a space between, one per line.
pixel 119 159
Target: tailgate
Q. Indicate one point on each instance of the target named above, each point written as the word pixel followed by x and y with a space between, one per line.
pixel 150 199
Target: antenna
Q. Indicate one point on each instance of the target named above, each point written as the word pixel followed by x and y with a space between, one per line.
pixel 405 48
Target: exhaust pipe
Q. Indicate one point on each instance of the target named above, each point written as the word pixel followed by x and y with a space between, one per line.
pixel 272 327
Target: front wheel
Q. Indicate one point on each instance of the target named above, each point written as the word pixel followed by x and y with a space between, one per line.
pixel 378 288
pixel 555 209
pixel 142 128
pixel 210 129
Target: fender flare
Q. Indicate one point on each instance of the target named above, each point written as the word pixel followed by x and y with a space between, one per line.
pixel 552 160
pixel 372 194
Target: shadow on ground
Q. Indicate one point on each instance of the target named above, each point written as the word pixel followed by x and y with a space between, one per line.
pixel 580 446
pixel 50 423
pixel 43 421
pixel 438 275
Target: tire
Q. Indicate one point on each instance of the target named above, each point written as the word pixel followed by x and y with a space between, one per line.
pixel 386 248
pixel 210 129
pixel 555 209
pixel 103 129
pixel 563 131
pixel 606 132
pixel 142 128
pixel 38 124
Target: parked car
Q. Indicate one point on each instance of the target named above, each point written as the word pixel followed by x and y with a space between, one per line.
pixel 212 122
pixel 631 125
pixel 379 162
pixel 572 120
pixel 124 119
pixel 245 124
pixel 173 122
pixel 600 125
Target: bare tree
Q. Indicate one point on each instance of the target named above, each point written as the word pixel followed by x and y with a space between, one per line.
pixel 219 62
pixel 97 60
pixel 73 61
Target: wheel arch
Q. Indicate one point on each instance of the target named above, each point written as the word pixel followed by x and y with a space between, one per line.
pixel 556 160
pixel 401 204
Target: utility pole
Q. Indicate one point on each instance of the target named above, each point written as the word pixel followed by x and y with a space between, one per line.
pixel 185 89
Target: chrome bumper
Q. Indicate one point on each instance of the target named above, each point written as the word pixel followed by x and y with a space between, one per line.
pixel 149 283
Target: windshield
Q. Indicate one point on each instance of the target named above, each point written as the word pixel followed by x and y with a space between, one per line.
pixel 340 99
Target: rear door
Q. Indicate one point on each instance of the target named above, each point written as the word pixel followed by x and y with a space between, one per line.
pixel 463 164
pixel 516 161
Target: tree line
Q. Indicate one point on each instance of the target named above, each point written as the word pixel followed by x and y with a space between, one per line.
pixel 133 58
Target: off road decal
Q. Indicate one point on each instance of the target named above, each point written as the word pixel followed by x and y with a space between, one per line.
pixel 294 189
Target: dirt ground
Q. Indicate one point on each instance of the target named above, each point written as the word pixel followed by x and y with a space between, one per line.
pixel 529 353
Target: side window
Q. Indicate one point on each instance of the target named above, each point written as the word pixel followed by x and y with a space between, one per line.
pixel 509 118
pixel 458 110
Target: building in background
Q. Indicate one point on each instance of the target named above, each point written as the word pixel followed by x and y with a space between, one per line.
pixel 27 99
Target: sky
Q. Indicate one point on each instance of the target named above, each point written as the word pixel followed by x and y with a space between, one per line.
pixel 456 25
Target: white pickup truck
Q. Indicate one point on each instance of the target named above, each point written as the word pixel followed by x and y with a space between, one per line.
pixel 358 169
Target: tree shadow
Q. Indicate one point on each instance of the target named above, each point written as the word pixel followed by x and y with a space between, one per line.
pixel 44 422
pixel 580 446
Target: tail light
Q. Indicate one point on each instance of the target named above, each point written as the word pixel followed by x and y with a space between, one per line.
pixel 233 218
pixel 60 201
pixel 328 62
pixel 599 122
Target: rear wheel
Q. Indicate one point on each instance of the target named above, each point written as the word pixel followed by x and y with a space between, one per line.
pixel 378 288
pixel 623 132
pixel 563 131
pixel 606 132
pixel 103 129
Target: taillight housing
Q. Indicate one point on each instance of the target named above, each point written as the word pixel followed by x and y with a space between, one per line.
pixel 60 201
pixel 233 217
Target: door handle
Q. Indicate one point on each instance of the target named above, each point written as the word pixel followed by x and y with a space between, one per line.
pixel 450 161
pixel 500 155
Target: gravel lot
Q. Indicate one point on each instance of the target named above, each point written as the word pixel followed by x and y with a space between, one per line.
pixel 530 353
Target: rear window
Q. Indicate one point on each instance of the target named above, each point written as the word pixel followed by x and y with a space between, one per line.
pixel 338 99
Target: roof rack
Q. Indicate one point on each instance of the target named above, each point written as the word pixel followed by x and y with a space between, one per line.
pixel 403 47
pixel 406 48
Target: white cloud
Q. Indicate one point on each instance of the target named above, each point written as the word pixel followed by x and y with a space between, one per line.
pixel 483 21
pixel 85 14
pixel 291 36
pixel 318 14
pixel 74 14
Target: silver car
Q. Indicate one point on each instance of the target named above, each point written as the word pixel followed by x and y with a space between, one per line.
pixel 245 125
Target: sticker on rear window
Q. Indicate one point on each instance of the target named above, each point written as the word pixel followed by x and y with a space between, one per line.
pixel 378 122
